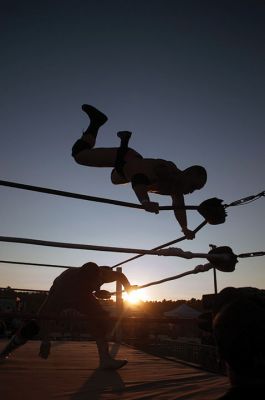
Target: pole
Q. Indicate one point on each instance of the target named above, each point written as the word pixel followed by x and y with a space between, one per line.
pixel 119 307
pixel 215 280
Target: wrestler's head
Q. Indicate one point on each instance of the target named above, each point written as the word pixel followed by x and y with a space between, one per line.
pixel 193 178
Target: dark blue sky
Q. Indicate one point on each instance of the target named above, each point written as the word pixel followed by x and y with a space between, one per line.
pixel 187 77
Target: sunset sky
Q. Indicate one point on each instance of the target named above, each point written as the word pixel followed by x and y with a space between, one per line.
pixel 186 77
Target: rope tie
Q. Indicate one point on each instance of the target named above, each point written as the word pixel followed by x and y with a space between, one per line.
pixel 253 254
pixel 245 200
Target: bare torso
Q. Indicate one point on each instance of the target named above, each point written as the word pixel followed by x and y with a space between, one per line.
pixel 162 175
pixel 69 289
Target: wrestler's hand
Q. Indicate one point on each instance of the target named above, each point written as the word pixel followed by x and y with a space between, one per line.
pixel 131 288
pixel 151 206
pixel 189 234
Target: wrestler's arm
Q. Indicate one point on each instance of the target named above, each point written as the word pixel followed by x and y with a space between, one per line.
pixel 108 276
pixel 140 184
pixel 180 214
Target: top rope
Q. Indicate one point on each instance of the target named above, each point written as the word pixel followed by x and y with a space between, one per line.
pixel 82 196
pixel 115 202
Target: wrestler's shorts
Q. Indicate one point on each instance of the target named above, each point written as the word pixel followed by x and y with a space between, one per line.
pixel 124 155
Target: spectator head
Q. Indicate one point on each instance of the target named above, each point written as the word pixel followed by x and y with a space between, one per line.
pixel 239 331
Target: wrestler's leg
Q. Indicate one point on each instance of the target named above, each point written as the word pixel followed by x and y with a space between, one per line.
pixel 98 157
pixel 88 139
pixel 45 346
pixel 106 361
pixel 26 332
pixel 97 119
pixel 123 153
pixel 117 179
pixel 99 328
pixel 49 308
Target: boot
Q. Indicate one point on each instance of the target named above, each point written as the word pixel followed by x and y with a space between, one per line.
pixel 112 364
pixel 125 137
pixel 105 359
pixel 97 119
pixel 15 342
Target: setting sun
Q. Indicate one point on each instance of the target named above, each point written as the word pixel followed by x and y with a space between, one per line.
pixel 135 296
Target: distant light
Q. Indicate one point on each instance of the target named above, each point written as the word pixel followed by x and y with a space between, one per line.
pixel 136 296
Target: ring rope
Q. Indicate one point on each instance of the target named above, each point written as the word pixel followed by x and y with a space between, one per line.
pixel 37 264
pixel 162 245
pixel 196 270
pixel 37 242
pixel 114 266
pixel 242 201
pixel 24 290
pixel 243 255
pixel 171 251
pixel 83 196
pixel 199 268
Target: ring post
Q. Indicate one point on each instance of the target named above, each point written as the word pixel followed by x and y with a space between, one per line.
pixel 119 308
